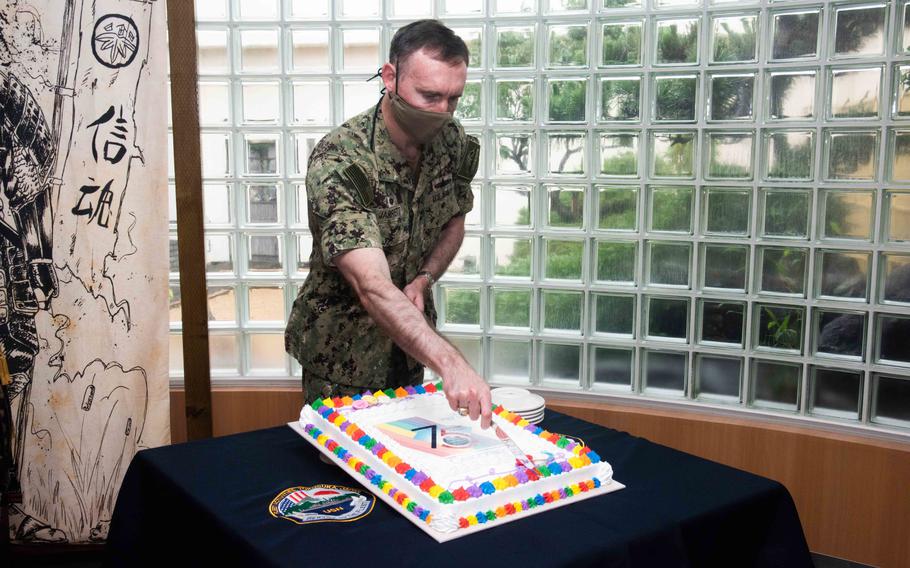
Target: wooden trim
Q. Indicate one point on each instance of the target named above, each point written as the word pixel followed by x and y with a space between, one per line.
pixel 181 24
pixel 241 410
pixel 645 408
pixel 850 490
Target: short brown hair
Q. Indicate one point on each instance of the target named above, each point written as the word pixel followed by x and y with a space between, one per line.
pixel 431 35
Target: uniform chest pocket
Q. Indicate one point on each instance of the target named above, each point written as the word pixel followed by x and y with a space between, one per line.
pixel 391 226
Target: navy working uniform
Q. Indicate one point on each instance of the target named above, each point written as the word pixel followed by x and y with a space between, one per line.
pixel 361 193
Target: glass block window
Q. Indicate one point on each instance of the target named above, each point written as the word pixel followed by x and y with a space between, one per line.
pixel 689 200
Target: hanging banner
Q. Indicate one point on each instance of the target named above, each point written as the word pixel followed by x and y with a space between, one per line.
pixel 83 257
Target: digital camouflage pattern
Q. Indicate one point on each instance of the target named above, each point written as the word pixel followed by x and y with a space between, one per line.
pixel 358 198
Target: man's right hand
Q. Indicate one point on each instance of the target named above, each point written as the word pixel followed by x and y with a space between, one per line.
pixel 464 388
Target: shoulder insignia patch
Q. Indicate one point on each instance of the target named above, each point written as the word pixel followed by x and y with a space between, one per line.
pixel 469 160
pixel 355 177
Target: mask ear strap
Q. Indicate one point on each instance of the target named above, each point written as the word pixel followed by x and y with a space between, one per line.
pixel 378 74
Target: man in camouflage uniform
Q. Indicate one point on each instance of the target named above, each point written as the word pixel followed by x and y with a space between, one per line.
pixel 387 193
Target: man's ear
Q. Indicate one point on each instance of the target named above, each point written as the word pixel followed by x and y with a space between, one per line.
pixel 388 77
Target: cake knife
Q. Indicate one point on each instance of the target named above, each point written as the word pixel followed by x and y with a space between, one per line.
pixel 513 447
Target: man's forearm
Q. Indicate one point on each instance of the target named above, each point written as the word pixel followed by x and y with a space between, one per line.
pixel 406 325
pixel 446 248
pixel 367 271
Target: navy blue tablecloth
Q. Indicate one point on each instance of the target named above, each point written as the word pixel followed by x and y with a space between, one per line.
pixel 208 501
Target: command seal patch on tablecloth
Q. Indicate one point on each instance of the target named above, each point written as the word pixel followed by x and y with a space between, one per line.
pixel 322 503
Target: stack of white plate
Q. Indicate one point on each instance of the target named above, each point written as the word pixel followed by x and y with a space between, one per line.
pixel 520 401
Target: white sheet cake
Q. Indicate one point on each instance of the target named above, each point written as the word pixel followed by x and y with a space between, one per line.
pixel 446 473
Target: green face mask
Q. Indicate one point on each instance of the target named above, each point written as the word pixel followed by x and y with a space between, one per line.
pixel 420 125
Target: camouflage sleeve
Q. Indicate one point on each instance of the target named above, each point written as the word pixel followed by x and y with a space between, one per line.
pixel 467 168
pixel 344 222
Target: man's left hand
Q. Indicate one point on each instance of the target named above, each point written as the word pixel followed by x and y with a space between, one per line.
pixel 415 291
